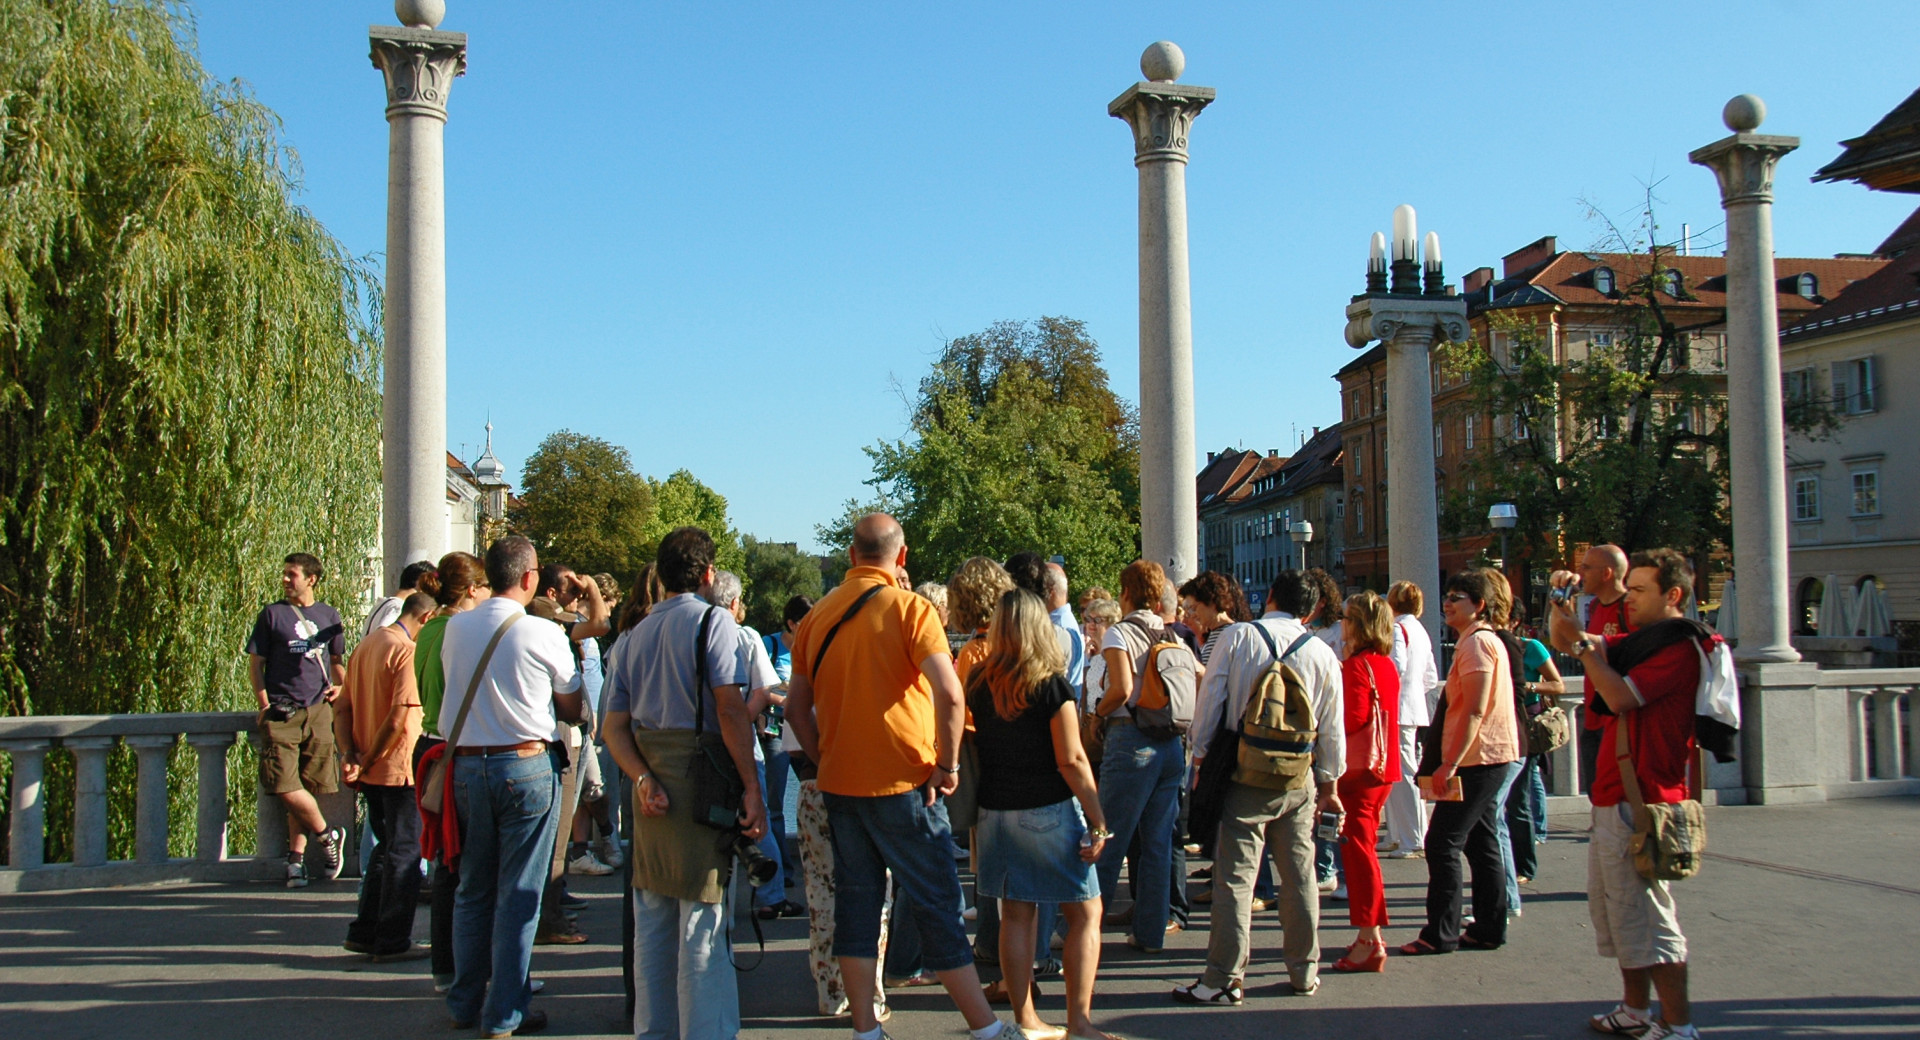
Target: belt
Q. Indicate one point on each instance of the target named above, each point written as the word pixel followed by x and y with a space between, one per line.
pixel 525 749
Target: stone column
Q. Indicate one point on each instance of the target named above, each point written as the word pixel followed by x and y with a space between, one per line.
pixel 27 813
pixel 1161 112
pixel 1409 325
pixel 419 65
pixel 89 798
pixel 270 816
pixel 150 796
pixel 210 816
pixel 1756 435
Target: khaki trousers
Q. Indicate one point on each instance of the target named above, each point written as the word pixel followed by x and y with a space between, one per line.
pixel 1284 821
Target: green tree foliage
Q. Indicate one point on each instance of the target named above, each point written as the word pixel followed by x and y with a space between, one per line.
pixel 1017 444
pixel 774 573
pixel 584 506
pixel 682 500
pixel 189 375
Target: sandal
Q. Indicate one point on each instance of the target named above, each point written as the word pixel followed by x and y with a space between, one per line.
pixel 1421 948
pixel 1232 996
pixel 925 978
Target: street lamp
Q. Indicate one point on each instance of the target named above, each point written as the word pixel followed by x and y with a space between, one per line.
pixel 1503 517
pixel 1302 532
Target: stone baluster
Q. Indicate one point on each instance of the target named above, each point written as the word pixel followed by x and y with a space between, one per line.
pixel 27 816
pixel 89 798
pixel 270 825
pixel 1913 730
pixel 150 796
pixel 1886 735
pixel 1859 733
pixel 210 823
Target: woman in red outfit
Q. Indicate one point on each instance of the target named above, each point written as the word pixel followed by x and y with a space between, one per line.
pixel 1371 694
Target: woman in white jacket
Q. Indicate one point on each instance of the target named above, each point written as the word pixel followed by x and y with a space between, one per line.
pixel 1419 676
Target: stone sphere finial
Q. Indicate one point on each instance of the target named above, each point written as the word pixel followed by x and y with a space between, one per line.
pixel 420 14
pixel 1744 113
pixel 1163 62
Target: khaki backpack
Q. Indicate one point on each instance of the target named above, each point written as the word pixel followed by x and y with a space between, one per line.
pixel 1277 730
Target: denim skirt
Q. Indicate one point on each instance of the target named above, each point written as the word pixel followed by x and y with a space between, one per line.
pixel 1033 855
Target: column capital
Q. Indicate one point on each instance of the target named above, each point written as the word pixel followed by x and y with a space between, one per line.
pixel 1161 114
pixel 1744 165
pixel 1390 318
pixel 419 66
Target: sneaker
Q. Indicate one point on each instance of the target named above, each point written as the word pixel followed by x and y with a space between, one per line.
pixel 355 946
pixel 1404 854
pixel 586 863
pixel 609 852
pixel 1621 1022
pixel 442 983
pixel 1308 990
pixel 296 872
pixel 1658 1030
pixel 329 841
pixel 1232 996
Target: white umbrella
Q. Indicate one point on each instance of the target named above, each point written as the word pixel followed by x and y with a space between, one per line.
pixel 1727 621
pixel 1833 619
pixel 1870 616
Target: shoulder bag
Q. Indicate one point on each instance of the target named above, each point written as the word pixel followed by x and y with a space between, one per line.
pixel 433 786
pixel 718 790
pixel 1669 838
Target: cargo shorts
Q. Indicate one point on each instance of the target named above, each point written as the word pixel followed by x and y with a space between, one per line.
pixel 299 752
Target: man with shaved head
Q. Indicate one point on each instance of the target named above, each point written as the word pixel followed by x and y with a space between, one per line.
pixel 1603 577
pixel 874 700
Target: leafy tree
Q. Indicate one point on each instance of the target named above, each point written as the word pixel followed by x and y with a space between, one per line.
pixel 682 499
pixel 189 382
pixel 1018 443
pixel 584 506
pixel 775 572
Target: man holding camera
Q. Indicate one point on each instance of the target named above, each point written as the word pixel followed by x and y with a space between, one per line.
pixel 1643 686
pixel 675 679
pixel 297 659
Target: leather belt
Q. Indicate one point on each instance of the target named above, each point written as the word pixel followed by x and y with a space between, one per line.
pixel 525 749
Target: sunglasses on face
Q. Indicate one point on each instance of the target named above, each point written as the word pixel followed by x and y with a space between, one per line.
pixel 1458 597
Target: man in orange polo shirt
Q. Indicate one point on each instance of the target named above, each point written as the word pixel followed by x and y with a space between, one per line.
pixel 375 727
pixel 875 701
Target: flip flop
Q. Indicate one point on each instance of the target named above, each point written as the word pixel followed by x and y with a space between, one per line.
pixel 1421 948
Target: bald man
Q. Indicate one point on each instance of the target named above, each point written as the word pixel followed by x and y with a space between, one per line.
pixel 1603 575
pixel 875 701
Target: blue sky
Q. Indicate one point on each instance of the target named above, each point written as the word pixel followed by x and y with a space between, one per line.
pixel 727 235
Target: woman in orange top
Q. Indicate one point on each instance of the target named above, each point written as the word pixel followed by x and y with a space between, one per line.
pixel 1371 695
pixel 1479 747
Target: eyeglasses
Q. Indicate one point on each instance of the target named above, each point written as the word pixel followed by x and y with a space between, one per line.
pixel 1458 597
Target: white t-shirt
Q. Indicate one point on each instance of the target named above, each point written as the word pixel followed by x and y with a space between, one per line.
pixel 514 701
pixel 757 667
pixel 386 613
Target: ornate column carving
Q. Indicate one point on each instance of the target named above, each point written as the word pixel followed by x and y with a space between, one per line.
pixel 419 66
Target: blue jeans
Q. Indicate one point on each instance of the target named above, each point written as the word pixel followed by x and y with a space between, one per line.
pixel 683 979
pixel 1504 829
pixel 1140 790
pixel 1527 818
pixel 508 815
pixel 901 833
pixel 772 843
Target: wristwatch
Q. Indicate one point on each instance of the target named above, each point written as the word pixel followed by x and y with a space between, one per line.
pixel 1584 647
pixel 1099 834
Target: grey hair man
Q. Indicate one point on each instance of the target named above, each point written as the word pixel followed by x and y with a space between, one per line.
pixel 1056 587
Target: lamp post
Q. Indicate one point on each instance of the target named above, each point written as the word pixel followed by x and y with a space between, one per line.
pixel 1503 517
pixel 1302 532
pixel 1408 306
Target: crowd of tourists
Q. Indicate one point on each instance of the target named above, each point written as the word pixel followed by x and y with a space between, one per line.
pixel 491 707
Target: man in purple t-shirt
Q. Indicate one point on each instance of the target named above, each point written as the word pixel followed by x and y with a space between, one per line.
pixel 297 658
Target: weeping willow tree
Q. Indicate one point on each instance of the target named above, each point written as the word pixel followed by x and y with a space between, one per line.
pixel 189 380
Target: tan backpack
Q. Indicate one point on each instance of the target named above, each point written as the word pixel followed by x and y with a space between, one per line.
pixel 1277 730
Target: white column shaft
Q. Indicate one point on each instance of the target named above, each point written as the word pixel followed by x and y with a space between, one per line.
pixel 414 409
pixel 1169 521
pixel 1413 519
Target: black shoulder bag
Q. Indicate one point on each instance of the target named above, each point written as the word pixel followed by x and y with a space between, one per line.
pixel 803 767
pixel 717 788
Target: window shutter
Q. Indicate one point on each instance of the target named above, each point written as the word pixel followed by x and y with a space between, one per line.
pixel 1842 398
pixel 1868 380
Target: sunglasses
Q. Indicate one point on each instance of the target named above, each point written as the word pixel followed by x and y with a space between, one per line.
pixel 1458 597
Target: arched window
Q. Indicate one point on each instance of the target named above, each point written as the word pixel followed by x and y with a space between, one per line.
pixel 1603 280
pixel 1807 285
pixel 1671 282
pixel 1807 604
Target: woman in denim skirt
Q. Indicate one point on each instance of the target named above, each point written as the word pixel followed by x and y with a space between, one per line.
pixel 1037 796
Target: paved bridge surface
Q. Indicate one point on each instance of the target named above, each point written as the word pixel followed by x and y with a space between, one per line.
pixel 1803 924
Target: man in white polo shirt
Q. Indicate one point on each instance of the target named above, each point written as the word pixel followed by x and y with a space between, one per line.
pixel 505 786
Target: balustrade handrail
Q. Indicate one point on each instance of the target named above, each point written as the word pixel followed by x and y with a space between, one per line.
pixel 56 727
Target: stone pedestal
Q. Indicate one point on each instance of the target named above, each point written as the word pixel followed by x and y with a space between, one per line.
pixel 1161 112
pixel 150 796
pixel 1409 326
pixel 1756 436
pixel 1786 728
pixel 419 65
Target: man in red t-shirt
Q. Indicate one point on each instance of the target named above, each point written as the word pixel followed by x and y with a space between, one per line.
pixel 1634 919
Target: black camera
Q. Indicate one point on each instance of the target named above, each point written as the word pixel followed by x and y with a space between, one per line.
pixel 1565 593
pixel 758 866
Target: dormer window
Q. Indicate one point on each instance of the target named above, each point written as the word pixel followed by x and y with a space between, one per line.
pixel 1670 282
pixel 1603 280
pixel 1807 285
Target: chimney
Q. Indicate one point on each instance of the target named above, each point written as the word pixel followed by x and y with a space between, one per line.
pixel 1273 453
pixel 1210 458
pixel 1476 279
pixel 1528 255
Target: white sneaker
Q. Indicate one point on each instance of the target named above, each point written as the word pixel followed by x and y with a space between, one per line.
pixel 1658 1030
pixel 608 849
pixel 296 872
pixel 1620 1022
pixel 329 844
pixel 585 863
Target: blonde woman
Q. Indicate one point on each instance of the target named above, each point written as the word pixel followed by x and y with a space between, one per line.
pixel 1041 828
pixel 1370 696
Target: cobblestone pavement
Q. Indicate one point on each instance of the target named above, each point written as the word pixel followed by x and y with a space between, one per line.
pixel 1803 924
